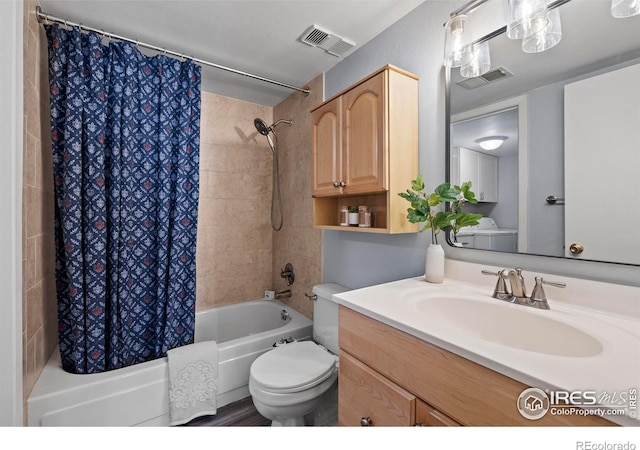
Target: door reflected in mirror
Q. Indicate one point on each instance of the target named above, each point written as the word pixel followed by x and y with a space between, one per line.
pixel 570 117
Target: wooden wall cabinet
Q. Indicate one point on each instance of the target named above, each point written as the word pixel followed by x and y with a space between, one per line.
pixel 396 379
pixel 365 151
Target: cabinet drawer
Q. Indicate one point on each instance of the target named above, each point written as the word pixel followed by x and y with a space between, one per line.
pixel 364 393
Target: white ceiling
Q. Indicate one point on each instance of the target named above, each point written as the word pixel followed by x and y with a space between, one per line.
pixel 259 36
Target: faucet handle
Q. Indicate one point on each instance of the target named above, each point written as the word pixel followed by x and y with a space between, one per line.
pixel 500 291
pixel 538 294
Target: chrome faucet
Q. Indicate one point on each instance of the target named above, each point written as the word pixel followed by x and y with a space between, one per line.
pixel 518 292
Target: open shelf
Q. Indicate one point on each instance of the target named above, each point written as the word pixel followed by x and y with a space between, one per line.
pixel 326 213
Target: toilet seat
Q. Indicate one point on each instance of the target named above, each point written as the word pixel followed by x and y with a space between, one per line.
pixel 292 368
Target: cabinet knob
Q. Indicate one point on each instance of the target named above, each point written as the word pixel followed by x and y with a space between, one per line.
pixel 365 422
pixel 336 184
pixel 576 248
pixel 342 184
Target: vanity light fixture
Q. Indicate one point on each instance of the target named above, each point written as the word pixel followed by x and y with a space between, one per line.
pixel 625 8
pixel 546 38
pixel 453 40
pixel 526 17
pixel 475 60
pixel 491 142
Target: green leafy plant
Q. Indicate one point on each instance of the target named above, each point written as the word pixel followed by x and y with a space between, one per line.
pixel 424 205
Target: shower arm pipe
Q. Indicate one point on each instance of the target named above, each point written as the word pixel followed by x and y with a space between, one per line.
pixel 44 17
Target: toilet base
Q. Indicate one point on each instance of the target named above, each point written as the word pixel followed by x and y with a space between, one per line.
pixel 290 422
pixel 324 413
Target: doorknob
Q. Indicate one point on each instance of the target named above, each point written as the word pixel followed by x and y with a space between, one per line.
pixel 576 248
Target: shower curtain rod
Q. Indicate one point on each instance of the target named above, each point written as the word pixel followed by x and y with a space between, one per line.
pixel 41 16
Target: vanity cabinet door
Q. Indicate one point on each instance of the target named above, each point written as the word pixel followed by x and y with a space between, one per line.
pixel 428 416
pixel 366 398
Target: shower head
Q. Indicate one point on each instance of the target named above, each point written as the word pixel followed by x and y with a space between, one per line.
pixel 262 127
pixel 264 130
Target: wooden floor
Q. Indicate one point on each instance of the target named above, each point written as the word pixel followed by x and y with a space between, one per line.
pixel 243 414
pixel 239 414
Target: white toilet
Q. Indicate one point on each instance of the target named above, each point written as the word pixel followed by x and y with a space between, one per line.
pixel 292 380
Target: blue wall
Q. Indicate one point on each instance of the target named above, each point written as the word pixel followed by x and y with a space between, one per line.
pixel 415 43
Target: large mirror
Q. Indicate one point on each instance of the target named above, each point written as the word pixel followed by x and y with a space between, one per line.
pixel 566 179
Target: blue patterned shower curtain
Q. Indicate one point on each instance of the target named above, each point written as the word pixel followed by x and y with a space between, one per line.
pixel 125 133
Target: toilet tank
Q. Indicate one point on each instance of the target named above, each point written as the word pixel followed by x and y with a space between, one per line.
pixel 325 315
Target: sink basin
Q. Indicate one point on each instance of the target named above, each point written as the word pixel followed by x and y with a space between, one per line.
pixel 510 325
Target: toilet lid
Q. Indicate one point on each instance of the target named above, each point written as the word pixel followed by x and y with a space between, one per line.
pixel 293 367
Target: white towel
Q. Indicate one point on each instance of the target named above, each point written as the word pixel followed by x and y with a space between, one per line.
pixel 193 375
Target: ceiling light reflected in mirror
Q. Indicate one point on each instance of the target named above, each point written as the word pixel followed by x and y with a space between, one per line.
pixel 491 142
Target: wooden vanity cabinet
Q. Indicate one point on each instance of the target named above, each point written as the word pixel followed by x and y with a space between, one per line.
pixel 368 398
pixel 365 151
pixel 428 416
pixel 397 379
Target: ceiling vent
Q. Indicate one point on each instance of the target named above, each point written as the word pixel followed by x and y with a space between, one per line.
pixel 332 44
pixel 493 75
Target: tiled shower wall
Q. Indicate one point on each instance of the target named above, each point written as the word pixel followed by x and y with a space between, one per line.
pixel 298 242
pixel 238 254
pixel 39 327
pixel 234 251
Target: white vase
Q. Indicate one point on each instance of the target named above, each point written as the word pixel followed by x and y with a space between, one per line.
pixel 434 264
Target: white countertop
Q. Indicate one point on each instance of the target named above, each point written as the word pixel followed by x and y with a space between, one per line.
pixel 612 368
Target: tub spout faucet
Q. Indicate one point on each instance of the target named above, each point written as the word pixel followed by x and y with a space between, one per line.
pixel 284 294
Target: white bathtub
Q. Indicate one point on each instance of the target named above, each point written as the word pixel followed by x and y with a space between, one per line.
pixel 138 395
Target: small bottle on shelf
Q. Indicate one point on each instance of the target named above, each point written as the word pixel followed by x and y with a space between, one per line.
pixel 343 216
pixel 364 217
